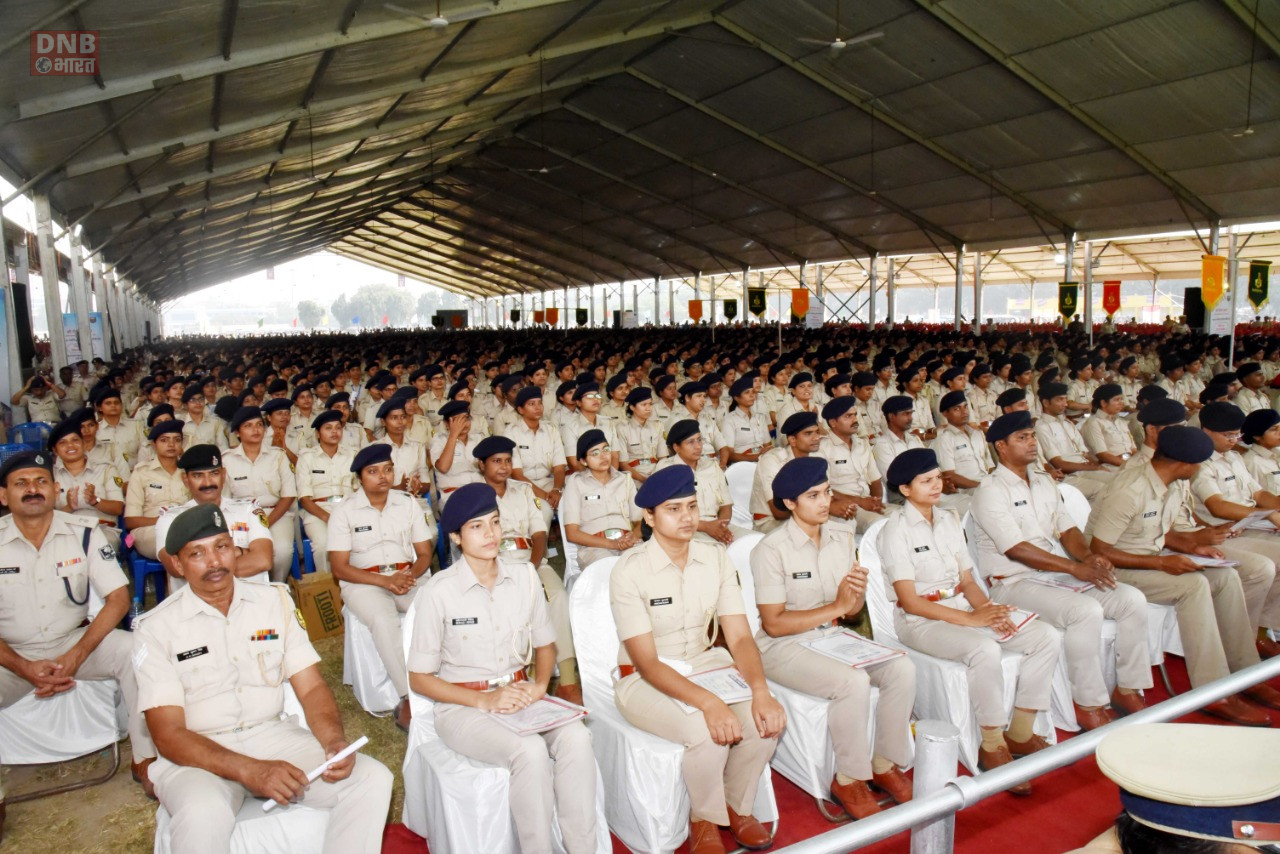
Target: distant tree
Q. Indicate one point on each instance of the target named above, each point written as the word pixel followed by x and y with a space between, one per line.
pixel 370 303
pixel 310 313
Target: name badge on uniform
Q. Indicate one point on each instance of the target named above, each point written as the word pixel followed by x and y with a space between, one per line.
pixel 919 549
pixel 362 528
pixel 523 447
pixel 591 497
pixel 193 653
pixel 839 462
pixel 10 570
pixel 748 429
pixel 1150 514
pixel 665 600
pixel 801 575
pixel 242 477
pixel 465 621
pixel 317 471
pixel 155 486
pixel 1230 477
pixel 1022 503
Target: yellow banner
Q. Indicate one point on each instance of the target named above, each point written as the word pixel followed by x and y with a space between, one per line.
pixel 1212 272
pixel 799 301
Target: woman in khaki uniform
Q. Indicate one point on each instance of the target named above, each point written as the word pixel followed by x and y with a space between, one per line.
pixel 640 436
pixel 598 511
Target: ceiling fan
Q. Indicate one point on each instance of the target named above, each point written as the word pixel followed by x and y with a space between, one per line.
pixel 438 21
pixel 839 43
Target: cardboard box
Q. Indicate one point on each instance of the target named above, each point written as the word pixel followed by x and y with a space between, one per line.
pixel 320 603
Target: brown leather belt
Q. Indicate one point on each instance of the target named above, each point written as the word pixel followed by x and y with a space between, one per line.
pixel 939 595
pixel 625 670
pixel 520 675
pixel 520 543
pixel 448 489
pixel 633 463
pixel 398 567
pixel 756 517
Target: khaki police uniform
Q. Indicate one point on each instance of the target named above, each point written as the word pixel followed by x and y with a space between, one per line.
pixel 245 523
pixel 599 508
pixel 463 632
pixel 506 418
pixel 767 468
pixel 791 570
pixel 870 422
pixel 934 558
pixel 1108 434
pixel 44 596
pixel 711 488
pixel 886 449
pixel 462 470
pixel 226 674
pixel 125 439
pixel 792 405
pixel 353 438
pixel 42 408
pixel 151 490
pixel 771 398
pixel 299 435
pixel 982 404
pixel 536 455
pixel 963 450
pixel 209 430
pixel 681 609
pixel 429 403
pixel 325 480
pixel 578 424
pixel 1227 475
pixel 1059 438
pixel 747 433
pixel 1249 400
pixel 107 485
pixel 640 446
pixel 268 479
pixel 851 469
pixel 1264 466
pixel 1134 516
pixel 1008 510
pixel 378 539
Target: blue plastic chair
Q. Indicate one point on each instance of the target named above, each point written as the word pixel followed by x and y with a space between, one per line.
pixel 7 451
pixel 32 433
pixel 142 568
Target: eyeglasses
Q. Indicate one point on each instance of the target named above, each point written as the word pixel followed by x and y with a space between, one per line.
pixel 591 395
pixel 599 451
pixel 1233 437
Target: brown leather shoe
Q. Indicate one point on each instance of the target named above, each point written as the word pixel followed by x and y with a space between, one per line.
pixel 748 832
pixel 1264 695
pixel 139 771
pixel 571 693
pixel 894 783
pixel 1267 648
pixel 704 838
pixel 1025 748
pixel 989 759
pixel 1127 704
pixel 855 798
pixel 1237 711
pixel 1092 718
pixel 403 714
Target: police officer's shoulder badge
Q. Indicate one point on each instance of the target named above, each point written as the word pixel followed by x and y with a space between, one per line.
pixel 297 612
pixel 119 481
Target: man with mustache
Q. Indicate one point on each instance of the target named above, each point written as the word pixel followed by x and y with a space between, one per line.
pixel 204 477
pixel 49 563
pixel 212 661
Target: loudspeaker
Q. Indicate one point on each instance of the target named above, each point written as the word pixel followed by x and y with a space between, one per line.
pixel 1193 308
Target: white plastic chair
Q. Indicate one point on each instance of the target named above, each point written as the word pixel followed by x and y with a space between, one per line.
pixel 571 568
pixel 942 690
pixel 363 670
pixel 740 477
pixel 458 803
pixel 805 754
pixel 646 801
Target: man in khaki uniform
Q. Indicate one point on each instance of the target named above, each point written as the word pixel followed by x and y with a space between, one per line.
pixel 478 626
pixel 598 511
pixel 715 507
pixel 211 662
pixel 538 459
pixel 1064 447
pixel 1147 511
pixel 807 579
pixel 154 486
pixel 262 473
pixel 962 450
pixel 49 563
pixel 802 436
pixel 1027 543
pixel 524 538
pixel 671 598
pixel 856 500
pixel 380 550
pixel 323 477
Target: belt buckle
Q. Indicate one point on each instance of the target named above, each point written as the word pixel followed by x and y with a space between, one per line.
pixel 612 533
pixel 387 569
pixel 507 544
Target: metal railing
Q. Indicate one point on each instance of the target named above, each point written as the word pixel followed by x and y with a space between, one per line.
pixel 931 808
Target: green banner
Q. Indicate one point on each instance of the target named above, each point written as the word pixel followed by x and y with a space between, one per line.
pixel 730 309
pixel 1259 282
pixel 437 321
pixel 515 315
pixel 1068 298
pixel 582 315
pixel 756 301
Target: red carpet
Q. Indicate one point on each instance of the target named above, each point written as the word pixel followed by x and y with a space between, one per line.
pixel 1069 807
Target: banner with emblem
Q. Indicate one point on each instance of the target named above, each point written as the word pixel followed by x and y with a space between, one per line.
pixel 730 309
pixel 539 315
pixel 1068 298
pixel 581 316
pixel 756 301
pixel 437 320
pixel 1111 297
pixel 457 320
pixel 695 309
pixel 553 316
pixel 1212 268
pixel 1259 283
pixel 799 304
pixel 515 315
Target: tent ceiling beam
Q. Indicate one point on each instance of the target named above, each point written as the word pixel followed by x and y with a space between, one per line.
pixel 493 280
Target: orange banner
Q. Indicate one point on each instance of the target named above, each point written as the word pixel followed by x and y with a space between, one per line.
pixel 1111 297
pixel 799 301
pixel 553 315
pixel 695 309
pixel 1212 269
pixel 538 315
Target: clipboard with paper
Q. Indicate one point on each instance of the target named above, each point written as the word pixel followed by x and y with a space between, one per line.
pixel 852 649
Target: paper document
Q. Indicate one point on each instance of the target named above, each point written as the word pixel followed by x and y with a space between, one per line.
pixel 1061 580
pixel 1255 521
pixel 544 715
pixel 1018 617
pixel 853 649
pixel 1201 560
pixel 324 766
pixel 725 682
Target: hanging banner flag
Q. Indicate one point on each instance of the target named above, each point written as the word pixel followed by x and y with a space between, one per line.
pixel 553 316
pixel 756 301
pixel 730 309
pixel 799 304
pixel 1111 297
pixel 1259 282
pixel 1068 298
pixel 581 316
pixel 695 309
pixel 539 315
pixel 515 315
pixel 457 320
pixel 437 321
pixel 1212 268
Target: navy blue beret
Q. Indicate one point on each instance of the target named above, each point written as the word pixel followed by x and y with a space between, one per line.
pixel 802 377
pixel 371 455
pixel 1162 412
pixel 1048 391
pixel 37 460
pixel 275 404
pixel 454 407
pixel 490 445
pixel 589 440
pixel 1221 417
pixel 951 373
pixel 170 426
pixel 798 421
pixel 950 399
pixel 69 426
pixel 691 388
pixel 797 477
pixel 638 395
pixel 338 397
pixel 681 430
pixel 390 406
pixel 897 403
pixel 665 485
pixel 1246 369
pixel 838 406
pixel 1184 444
pixel 862 379
pixel 200 458
pixel 1255 423
pixel 1148 393
pixel 1008 424
pixel 243 414
pixel 1106 391
pixel 1010 397
pixel 325 417
pixel 466 503
pixel 584 389
pixel 909 465
pixel 526 394
pixel 158 410
pixel 660 384
pixel 741 385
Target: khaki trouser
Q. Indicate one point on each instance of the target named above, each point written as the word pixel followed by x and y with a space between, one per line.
pixel 1259 555
pixel 789 663
pixel 716 775
pixel 379 609
pixel 1212 618
pixel 1090 483
pixel 558 609
pixel 766 524
pixel 1038 642
pixel 203 806
pixel 144 541
pixel 1080 616
pixel 110 660
pixel 862 520
pixel 283 538
pixel 561 757
pixel 318 533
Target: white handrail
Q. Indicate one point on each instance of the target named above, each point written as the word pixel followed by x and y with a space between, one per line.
pixel 962 792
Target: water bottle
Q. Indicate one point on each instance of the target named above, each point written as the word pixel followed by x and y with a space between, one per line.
pixel 135 611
